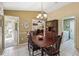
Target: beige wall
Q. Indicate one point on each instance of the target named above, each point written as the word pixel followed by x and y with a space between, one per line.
pixel 24 16
pixel 67 11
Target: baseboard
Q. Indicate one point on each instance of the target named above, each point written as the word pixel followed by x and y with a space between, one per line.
pixel 23 43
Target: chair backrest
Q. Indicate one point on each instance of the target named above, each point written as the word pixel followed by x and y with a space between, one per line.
pixel 59 41
pixel 30 39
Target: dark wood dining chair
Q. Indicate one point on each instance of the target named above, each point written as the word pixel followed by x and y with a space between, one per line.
pixel 54 49
pixel 32 47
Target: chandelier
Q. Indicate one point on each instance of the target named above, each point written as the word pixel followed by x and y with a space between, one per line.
pixel 42 15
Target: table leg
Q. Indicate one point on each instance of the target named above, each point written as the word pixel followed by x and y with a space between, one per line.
pixel 42 54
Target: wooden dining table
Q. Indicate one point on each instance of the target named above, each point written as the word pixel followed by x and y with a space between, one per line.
pixel 43 41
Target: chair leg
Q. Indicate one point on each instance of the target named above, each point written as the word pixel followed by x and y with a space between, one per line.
pixel 59 54
pixel 31 52
pixel 42 52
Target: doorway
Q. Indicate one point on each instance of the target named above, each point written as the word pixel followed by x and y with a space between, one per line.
pixel 69 30
pixel 11 31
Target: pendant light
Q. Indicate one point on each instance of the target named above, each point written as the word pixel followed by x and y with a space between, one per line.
pixel 42 15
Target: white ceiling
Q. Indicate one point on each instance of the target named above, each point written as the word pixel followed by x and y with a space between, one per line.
pixel 33 6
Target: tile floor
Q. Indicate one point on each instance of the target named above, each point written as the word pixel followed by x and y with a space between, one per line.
pixel 67 49
pixel 10 42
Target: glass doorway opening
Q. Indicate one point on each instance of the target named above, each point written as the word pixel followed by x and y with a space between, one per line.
pixel 11 31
